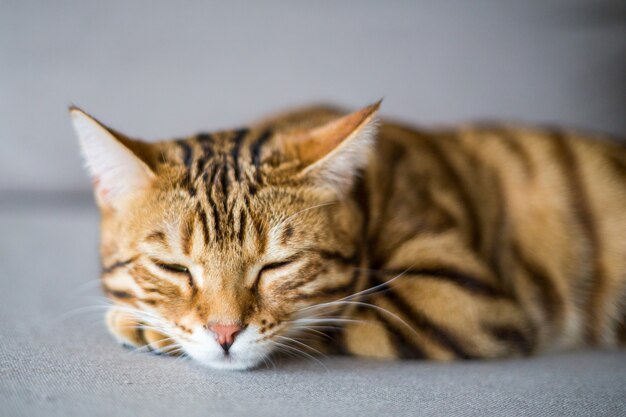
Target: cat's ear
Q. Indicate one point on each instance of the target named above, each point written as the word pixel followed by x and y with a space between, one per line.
pixel 117 171
pixel 333 153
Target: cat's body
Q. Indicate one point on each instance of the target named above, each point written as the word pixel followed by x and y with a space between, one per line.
pixel 477 242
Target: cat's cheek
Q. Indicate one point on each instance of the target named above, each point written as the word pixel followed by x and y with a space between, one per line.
pixel 273 298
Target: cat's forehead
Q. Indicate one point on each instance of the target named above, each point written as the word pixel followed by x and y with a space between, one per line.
pixel 215 193
pixel 220 159
pixel 220 232
pixel 227 179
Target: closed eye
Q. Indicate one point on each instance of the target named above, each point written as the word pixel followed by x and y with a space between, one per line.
pixel 175 268
pixel 274 266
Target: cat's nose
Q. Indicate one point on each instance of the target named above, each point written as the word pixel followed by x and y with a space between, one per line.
pixel 225 334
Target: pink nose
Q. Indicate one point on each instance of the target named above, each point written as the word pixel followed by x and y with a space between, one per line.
pixel 225 334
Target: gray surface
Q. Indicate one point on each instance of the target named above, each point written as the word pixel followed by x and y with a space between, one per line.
pixel 56 358
pixel 155 68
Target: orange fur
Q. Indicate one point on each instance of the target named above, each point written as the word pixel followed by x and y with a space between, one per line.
pixel 476 242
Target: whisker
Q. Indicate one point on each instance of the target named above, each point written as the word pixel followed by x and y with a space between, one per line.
pixel 367 291
pixel 75 312
pixel 328 203
pixel 315 331
pixel 84 287
pixel 331 320
pixel 301 344
pixel 299 351
pixel 382 310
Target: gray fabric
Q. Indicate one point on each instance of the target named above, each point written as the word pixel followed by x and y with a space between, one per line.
pixel 56 358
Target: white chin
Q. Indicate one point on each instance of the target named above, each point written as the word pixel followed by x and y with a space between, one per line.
pixel 217 360
pixel 229 364
pixel 245 353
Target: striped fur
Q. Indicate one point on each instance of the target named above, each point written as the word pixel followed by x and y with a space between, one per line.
pixel 482 241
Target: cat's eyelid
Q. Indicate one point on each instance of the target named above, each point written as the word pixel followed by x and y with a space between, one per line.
pixel 268 266
pixel 171 267
pixel 275 265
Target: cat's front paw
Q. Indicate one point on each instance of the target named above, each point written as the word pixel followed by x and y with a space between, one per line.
pixel 131 332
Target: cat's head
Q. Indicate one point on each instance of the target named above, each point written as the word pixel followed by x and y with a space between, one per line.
pixel 230 242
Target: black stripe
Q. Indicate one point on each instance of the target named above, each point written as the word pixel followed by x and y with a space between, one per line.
pixel 512 336
pixel 242 226
pixel 583 212
pixel 579 197
pixel 186 234
pixel 342 289
pixel 444 220
pixel 404 347
pixel 187 152
pixel 512 141
pixel 324 292
pixel 258 226
pixel 419 321
pixel 339 257
pixel 187 158
pixel 234 153
pixel 158 237
pixel 116 265
pixel 286 234
pixel 200 166
pixel 551 300
pixel 462 279
pixel 203 222
pixel 294 284
pixel 255 152
pixel 141 336
pixel 152 290
pixel 617 158
pixel 209 180
pixel 118 294
pixel 467 202
pixel 389 187
pixel 338 347
pixel 361 197
pixel 206 143
pixel 499 234
pixel 225 185
pixel 339 290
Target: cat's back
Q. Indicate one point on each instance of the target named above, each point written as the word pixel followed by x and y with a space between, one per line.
pixel 539 176
pixel 481 156
pixel 545 203
pixel 496 143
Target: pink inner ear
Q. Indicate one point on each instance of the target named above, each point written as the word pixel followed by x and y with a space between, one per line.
pixel 319 142
pixel 100 190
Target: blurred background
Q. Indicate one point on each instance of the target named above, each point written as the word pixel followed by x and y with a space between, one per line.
pixel 155 69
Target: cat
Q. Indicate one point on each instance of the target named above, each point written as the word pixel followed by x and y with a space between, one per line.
pixel 317 231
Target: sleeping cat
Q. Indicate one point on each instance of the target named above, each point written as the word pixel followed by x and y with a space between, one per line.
pixel 316 231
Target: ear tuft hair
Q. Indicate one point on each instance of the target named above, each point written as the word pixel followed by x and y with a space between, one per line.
pixel 117 172
pixel 334 153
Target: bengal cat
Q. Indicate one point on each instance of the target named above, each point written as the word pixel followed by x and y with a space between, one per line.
pixel 320 231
